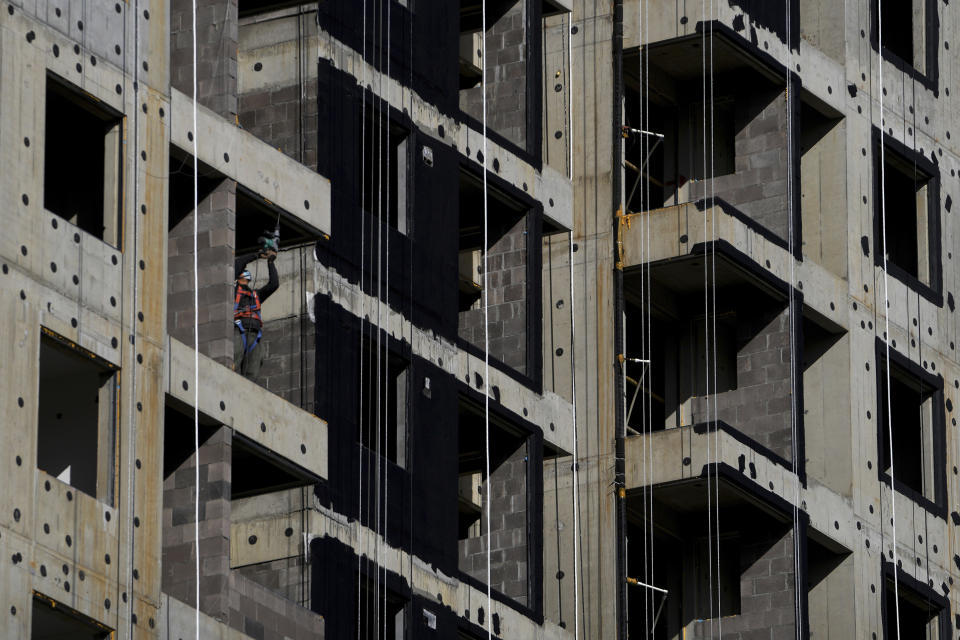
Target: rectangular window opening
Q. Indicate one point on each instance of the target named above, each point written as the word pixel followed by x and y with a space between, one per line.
pixel 508 273
pixel 51 620
pixel 919 616
pixel 507 485
pixel 899 35
pixel 83 163
pixel 385 170
pixel 914 423
pixel 77 417
pixel 908 218
pixel 384 387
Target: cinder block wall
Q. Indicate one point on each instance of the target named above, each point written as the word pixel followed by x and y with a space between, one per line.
pixel 758 187
pixel 276 55
pixel 506 78
pixel 287 577
pixel 507 301
pixel 767 603
pixel 179 569
pixel 289 359
pixel 508 531
pixel 216 228
pixel 216 90
pixel 759 407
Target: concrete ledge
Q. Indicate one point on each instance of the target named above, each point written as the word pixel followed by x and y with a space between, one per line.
pixel 548 186
pixel 672 232
pixel 177 621
pixel 298 436
pixel 253 163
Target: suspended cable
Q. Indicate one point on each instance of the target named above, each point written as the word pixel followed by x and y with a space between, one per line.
pixel 361 422
pixel 886 318
pixel 486 303
pixel 196 337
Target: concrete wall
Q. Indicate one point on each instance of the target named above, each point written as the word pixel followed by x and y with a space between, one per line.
pixel 508 530
pixel 216 231
pixel 216 53
pixel 507 301
pixel 287 577
pixel 506 78
pixel 276 54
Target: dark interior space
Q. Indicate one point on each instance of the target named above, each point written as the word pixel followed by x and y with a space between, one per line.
pixel 180 190
pixel 739 349
pixel 53 621
pixel 258 470
pixel 503 215
pixel 905 213
pixel 76 418
pixel 897 18
pixel 383 387
pixel 505 441
pixel 721 575
pixel 256 218
pixel 383 157
pixel 382 612
pixel 252 7
pixel 82 170
pixel 178 437
pixel 918 615
pixel 910 402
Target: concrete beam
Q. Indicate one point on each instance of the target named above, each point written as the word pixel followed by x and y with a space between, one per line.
pixel 249 409
pixel 548 186
pixel 543 410
pixel 253 163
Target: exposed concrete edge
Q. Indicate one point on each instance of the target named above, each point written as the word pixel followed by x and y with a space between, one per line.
pixel 176 620
pixel 541 410
pixel 253 163
pixel 544 186
pixel 289 431
pixel 426 581
pixel 675 230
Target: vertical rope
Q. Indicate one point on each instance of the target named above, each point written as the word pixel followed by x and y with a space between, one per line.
pixel 361 423
pixel 486 300
pixel 792 318
pixel 886 318
pixel 196 338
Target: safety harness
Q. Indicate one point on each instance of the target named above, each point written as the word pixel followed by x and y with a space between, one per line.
pixel 247 311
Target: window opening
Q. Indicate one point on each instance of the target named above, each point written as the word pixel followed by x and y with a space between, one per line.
pixel 77 417
pixel 82 161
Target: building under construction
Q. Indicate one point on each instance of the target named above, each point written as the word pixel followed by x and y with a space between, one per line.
pixel 632 319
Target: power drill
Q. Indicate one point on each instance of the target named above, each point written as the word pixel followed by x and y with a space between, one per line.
pixel 270 240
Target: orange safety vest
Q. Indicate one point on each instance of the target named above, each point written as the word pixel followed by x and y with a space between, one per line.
pixel 242 309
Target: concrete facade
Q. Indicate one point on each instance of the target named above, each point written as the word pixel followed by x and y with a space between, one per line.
pixel 737 293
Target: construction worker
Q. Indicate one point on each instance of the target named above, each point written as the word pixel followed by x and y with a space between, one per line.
pixel 248 324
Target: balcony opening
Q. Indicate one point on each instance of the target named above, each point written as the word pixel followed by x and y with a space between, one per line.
pixel 385 159
pixel 51 620
pixel 675 157
pixel 384 385
pixel 732 365
pixel 77 417
pixel 912 219
pixel 508 275
pixel 747 567
pixel 82 176
pixel 916 422
pixel 506 488
pixel 508 66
